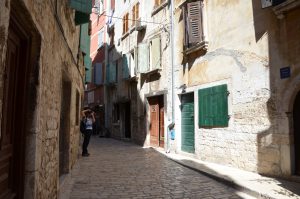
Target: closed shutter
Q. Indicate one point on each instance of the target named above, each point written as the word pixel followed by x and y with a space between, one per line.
pixel 112 72
pixel 125 66
pixel 84 6
pixel 155 53
pixel 81 18
pixel 143 58
pixel 213 106
pixel 85 47
pixel 107 76
pixel 194 21
pixel 98 74
pixel 157 2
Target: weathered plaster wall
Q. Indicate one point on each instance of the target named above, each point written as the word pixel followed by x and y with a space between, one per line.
pixel 55 59
pixel 245 53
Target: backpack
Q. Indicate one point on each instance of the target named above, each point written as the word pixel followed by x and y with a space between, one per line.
pixel 82 126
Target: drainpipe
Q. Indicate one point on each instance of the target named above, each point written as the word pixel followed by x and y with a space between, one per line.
pixel 107 7
pixel 172 75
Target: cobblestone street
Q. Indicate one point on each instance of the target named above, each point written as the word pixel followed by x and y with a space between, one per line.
pixel 118 169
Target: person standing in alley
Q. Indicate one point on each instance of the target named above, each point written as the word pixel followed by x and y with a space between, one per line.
pixel 88 120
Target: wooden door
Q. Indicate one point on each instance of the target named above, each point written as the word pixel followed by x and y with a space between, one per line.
pixel 127 120
pixel 154 122
pixel 296 118
pixel 187 123
pixel 161 125
pixel 13 112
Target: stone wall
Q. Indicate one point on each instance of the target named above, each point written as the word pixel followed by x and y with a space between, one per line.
pixel 57 62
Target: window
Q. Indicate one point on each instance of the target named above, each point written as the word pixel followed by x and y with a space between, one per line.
pixel 111 37
pixel 143 58
pixel 213 106
pixel 146 51
pixel 159 2
pixel 98 74
pixel 128 65
pixel 193 15
pixel 112 72
pixel 125 23
pixel 155 54
pixel 116 113
pixel 100 38
pixel 90 97
pixel 135 14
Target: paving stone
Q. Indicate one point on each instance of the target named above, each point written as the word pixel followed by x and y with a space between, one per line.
pixel 117 169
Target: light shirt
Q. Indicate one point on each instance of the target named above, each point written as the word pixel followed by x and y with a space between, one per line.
pixel 89 124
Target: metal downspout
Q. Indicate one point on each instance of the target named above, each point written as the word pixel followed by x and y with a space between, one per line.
pixel 172 71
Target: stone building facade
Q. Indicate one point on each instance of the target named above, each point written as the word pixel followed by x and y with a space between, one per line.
pixel 94 92
pixel 234 66
pixel 41 89
pixel 137 75
pixel 237 84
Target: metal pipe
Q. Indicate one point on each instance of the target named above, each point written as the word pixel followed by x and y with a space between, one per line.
pixel 172 71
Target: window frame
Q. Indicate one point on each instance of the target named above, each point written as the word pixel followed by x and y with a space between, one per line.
pixel 135 14
pixel 125 23
pixel 202 43
pixel 158 3
pixel 150 46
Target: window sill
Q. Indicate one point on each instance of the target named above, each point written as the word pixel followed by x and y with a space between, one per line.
pixel 200 46
pixel 285 7
pixel 125 35
pixel 150 72
pixel 159 8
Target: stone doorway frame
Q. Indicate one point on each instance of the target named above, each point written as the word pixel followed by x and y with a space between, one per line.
pixel 287 150
pixel 32 140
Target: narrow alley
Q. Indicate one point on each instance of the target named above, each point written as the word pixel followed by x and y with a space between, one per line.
pixel 117 169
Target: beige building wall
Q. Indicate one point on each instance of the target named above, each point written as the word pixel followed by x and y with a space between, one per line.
pixel 247 46
pixel 57 40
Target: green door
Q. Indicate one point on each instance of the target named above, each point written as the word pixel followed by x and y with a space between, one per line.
pixel 187 123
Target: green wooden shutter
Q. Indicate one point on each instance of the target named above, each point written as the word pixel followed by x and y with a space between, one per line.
pixel 125 66
pixel 84 6
pixel 213 106
pixel 98 74
pixel 112 73
pixel 81 18
pixel 85 47
pixel 107 73
pixel 155 53
pixel 143 58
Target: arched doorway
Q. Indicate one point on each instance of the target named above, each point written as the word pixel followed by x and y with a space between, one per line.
pixel 296 121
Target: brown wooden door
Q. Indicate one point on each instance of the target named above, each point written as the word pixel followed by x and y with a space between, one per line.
pixel 13 125
pixel 161 126
pixel 154 122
